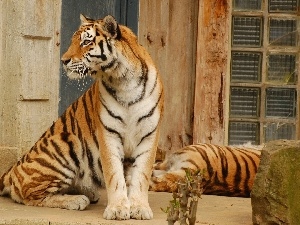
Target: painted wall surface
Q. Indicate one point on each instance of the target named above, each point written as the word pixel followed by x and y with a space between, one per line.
pixel 29 67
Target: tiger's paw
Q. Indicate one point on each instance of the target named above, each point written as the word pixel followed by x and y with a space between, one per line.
pixel 77 202
pixel 117 212
pixel 71 202
pixel 141 212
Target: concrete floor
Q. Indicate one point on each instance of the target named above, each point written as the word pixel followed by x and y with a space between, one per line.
pixel 212 210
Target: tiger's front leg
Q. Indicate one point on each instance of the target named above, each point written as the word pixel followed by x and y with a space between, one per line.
pixel 140 174
pixel 118 207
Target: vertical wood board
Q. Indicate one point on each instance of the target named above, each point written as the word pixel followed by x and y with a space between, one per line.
pixel 211 71
pixel 40 59
pixel 29 70
pixel 168 31
pixel 10 72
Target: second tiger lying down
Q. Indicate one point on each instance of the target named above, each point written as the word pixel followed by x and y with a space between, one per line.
pixel 228 170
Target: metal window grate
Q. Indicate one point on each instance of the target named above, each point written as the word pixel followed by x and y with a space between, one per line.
pixel 282 32
pixel 281 102
pixel 242 132
pixel 282 69
pixel 247 5
pixel 283 5
pixel 274 131
pixel 245 67
pixel 247 31
pixel 244 102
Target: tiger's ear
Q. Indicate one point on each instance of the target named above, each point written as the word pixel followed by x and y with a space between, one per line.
pixel 111 27
pixel 85 20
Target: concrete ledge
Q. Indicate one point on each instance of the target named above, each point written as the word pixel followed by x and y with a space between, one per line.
pixel 212 210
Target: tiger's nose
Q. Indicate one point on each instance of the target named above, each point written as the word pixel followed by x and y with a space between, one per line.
pixel 65 61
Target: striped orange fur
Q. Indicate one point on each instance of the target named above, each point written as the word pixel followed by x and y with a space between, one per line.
pixel 107 137
pixel 227 170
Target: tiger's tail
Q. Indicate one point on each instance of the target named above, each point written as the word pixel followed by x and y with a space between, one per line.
pixel 5 182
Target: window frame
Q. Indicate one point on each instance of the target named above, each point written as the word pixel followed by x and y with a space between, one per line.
pixel 265 49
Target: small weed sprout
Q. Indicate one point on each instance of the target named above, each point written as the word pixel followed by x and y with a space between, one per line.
pixel 183 207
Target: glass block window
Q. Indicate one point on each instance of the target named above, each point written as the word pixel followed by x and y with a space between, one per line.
pixel 247 31
pixel 281 102
pixel 244 102
pixel 245 66
pixel 243 132
pixel 275 131
pixel 247 5
pixel 281 69
pixel 264 84
pixel 283 6
pixel 282 32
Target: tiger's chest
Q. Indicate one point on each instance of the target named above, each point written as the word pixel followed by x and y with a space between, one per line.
pixel 129 123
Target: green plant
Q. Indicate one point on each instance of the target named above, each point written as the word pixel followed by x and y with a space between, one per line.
pixel 183 207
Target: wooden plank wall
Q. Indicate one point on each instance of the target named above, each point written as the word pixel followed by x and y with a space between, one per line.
pixel 212 76
pixel 168 30
pixel 29 67
pixel 188 41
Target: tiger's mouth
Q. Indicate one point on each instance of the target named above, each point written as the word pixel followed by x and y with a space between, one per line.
pixel 80 70
pixel 77 71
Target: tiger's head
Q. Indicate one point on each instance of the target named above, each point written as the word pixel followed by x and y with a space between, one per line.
pixel 92 48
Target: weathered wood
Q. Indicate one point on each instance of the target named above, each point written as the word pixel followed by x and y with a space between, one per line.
pixel 168 30
pixel 29 71
pixel 211 72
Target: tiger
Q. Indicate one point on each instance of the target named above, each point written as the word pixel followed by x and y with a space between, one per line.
pixel 107 138
pixel 225 170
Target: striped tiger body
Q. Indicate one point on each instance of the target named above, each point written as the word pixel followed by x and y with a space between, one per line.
pixel 108 136
pixel 227 170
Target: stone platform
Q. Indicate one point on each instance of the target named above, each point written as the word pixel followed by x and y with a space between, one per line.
pixel 212 210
